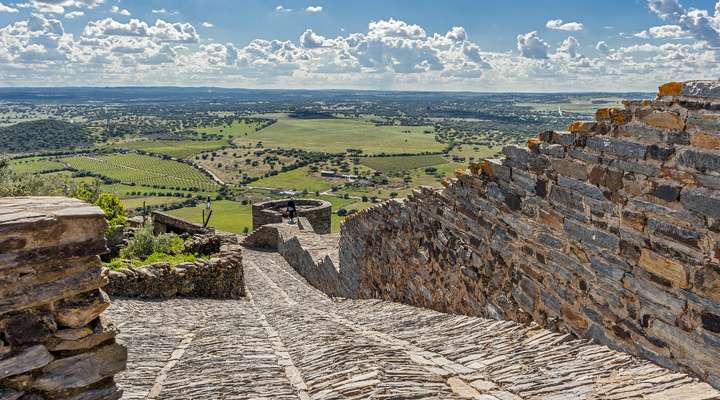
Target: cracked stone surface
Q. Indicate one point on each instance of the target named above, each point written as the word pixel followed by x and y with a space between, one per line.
pixel 287 340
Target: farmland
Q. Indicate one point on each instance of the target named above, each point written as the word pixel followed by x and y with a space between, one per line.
pixel 172 148
pixel 338 135
pixel 298 179
pixel 35 165
pixel 144 171
pixel 236 129
pixel 401 163
pixel 228 216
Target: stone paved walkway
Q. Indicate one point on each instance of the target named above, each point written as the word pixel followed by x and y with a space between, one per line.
pixel 290 341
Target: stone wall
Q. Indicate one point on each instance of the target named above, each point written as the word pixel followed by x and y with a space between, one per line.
pixel 220 277
pixel 54 341
pixel 318 212
pixel 166 223
pixel 608 231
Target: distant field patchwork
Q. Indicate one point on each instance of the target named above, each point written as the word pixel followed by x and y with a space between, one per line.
pixel 144 171
pixel 338 135
pixel 173 148
pixel 401 163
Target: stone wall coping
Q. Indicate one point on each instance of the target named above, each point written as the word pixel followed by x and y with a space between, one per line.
pixel 267 206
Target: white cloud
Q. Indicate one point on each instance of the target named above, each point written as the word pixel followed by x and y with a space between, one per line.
pixel 282 9
pixel 207 24
pixel 164 11
pixel 666 9
pixel 570 46
pixel 7 9
pixel 74 14
pixel 178 32
pixel 314 9
pixel 602 47
pixel 118 10
pixel 558 24
pixel 59 6
pixel 531 45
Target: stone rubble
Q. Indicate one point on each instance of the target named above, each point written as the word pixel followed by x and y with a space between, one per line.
pixel 55 342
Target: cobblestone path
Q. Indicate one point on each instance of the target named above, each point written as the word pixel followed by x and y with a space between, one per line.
pixel 288 340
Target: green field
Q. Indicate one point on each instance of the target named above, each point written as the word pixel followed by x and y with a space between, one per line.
pixel 137 202
pixel 338 135
pixel 173 148
pixel 401 163
pixel 144 171
pixel 35 165
pixel 237 129
pixel 297 179
pixel 228 216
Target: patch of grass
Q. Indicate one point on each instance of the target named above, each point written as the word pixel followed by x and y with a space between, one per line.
pixel 338 135
pixel 173 260
pixel 173 148
pixel 228 216
pixel 35 165
pixel 298 179
pixel 401 163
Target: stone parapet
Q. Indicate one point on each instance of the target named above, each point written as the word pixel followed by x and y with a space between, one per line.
pixel 609 230
pixel 220 277
pixel 54 341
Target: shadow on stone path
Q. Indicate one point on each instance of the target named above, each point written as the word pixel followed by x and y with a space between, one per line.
pixel 289 340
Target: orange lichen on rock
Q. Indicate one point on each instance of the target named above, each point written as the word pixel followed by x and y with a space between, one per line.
pixel 475 167
pixel 581 127
pixel 533 142
pixel 671 89
pixel 487 168
pixel 603 114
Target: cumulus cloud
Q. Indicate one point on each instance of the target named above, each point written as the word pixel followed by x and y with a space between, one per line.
pixel 602 47
pixel 282 9
pixel 118 10
pixel 7 9
pixel 570 47
pixel 558 24
pixel 314 9
pixel 207 24
pixel 59 6
pixel 164 11
pixel 531 45
pixel 179 32
pixel 74 14
pixel 699 24
pixel 666 9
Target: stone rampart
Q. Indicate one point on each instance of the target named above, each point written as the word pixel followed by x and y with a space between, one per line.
pixel 220 277
pixel 608 231
pixel 166 223
pixel 54 341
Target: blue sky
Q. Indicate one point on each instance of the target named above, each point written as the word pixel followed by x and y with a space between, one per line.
pixel 373 44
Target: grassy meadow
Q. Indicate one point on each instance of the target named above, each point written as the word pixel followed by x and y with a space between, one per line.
pixel 338 135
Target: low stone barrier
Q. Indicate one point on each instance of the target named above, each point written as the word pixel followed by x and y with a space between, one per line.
pixel 220 277
pixel 54 341
pixel 317 212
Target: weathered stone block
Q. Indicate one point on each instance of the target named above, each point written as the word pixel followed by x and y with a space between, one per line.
pixel 667 192
pixel 705 141
pixel 671 89
pixel 520 155
pixel 664 267
pixel 581 127
pixel 569 168
pixel 704 201
pixel 581 187
pixel 664 120
pixel 26 360
pixel 617 148
pixel 82 370
pixel 700 160
pixel 585 235
pixel 27 327
pixel 78 311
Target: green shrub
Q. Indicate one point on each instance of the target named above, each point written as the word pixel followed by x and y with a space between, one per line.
pixel 144 244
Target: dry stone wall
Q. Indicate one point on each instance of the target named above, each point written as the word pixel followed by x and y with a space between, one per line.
pixel 608 230
pixel 54 341
pixel 220 277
